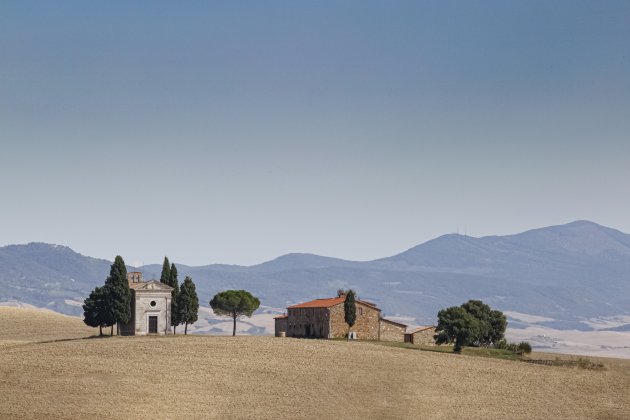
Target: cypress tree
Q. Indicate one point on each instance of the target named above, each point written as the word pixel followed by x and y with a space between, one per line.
pixel 118 293
pixel 166 272
pixel 174 283
pixel 96 310
pixel 187 303
pixel 349 310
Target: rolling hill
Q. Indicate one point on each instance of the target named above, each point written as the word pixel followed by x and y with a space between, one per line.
pixel 49 368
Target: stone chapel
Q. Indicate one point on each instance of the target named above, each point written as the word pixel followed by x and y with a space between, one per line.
pixel 150 307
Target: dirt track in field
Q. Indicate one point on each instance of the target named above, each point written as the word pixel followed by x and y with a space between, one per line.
pixel 266 377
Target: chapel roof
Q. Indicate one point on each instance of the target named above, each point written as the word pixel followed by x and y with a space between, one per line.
pixel 151 285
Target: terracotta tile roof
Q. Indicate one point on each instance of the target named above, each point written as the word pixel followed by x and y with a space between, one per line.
pixel 320 303
pixel 329 303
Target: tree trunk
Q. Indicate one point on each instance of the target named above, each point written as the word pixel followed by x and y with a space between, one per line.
pixel 111 331
pixel 100 330
pixel 117 326
pixel 186 329
pixel 234 327
pixel 174 329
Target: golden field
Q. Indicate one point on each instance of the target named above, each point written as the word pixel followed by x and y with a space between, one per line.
pixel 49 370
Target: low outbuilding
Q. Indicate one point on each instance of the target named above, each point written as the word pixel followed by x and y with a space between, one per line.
pixel 392 331
pixel 421 336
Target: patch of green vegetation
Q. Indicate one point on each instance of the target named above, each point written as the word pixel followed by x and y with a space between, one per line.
pixel 582 363
pixel 467 351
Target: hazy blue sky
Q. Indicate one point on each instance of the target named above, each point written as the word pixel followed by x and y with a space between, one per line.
pixel 240 131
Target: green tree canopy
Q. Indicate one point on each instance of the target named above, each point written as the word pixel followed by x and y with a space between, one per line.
pixel 472 323
pixel 97 310
pixel 119 294
pixel 234 303
pixel 350 310
pixel 165 277
pixel 492 323
pixel 174 283
pixel 455 325
pixel 187 304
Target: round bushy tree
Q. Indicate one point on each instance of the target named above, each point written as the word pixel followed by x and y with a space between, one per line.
pixel 457 326
pixel 96 310
pixel 234 303
pixel 492 323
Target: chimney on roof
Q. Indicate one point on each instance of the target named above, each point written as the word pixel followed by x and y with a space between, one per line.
pixel 341 293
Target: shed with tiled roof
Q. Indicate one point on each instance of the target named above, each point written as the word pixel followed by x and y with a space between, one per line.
pixel 421 335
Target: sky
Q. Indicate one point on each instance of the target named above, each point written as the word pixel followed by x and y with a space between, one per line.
pixel 235 132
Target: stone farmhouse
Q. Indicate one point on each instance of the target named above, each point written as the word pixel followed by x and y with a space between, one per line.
pixel 324 318
pixel 150 307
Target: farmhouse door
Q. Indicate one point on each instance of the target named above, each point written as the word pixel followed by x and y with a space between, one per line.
pixel 153 325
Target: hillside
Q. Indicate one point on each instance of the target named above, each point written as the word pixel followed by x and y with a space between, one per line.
pixel 266 377
pixel 569 274
pixel 21 326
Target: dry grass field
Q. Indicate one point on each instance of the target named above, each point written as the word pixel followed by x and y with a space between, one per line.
pixel 266 377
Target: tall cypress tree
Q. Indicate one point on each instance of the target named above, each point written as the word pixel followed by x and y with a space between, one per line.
pixel 119 293
pixel 166 272
pixel 187 303
pixel 350 310
pixel 174 283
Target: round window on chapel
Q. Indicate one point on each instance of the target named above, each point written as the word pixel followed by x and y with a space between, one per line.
pixel 152 303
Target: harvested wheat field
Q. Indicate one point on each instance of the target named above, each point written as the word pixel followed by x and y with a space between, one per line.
pixel 19 325
pixel 267 377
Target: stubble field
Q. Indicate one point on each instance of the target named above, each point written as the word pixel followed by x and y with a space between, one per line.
pixel 48 370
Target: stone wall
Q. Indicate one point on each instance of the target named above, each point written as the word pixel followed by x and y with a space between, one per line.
pixel 281 326
pixel 144 308
pixel 366 326
pixel 392 331
pixel 308 322
pixel 424 337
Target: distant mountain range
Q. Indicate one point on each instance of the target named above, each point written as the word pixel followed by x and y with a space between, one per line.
pixel 568 273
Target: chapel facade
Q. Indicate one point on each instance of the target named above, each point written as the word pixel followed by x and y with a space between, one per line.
pixel 150 307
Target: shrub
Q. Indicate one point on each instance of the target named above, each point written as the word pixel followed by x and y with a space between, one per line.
pixel 524 347
pixel 501 344
pixel 512 347
pixel 582 363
